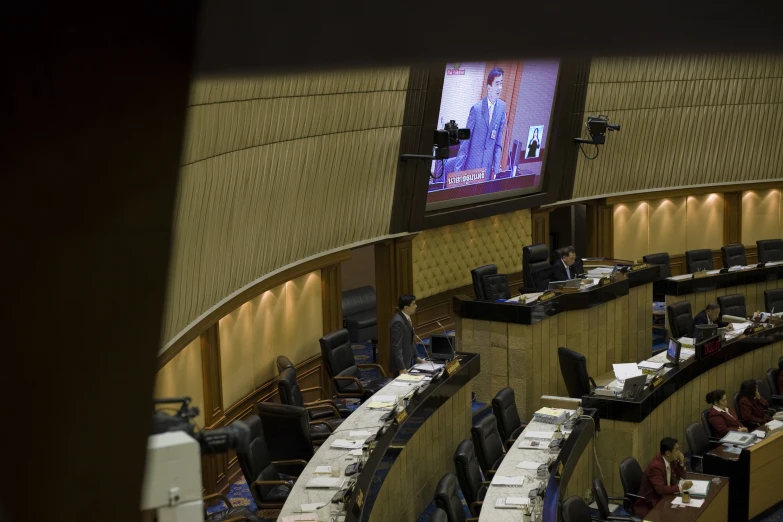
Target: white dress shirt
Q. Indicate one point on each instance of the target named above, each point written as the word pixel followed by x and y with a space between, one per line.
pixel 491 110
pixel 568 269
pixel 726 411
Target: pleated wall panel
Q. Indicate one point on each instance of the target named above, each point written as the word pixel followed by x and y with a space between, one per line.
pixel 276 170
pixel 686 120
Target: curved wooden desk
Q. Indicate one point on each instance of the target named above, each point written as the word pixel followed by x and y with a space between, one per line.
pixel 714 509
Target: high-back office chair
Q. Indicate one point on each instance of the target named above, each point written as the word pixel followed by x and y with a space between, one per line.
pixel 705 423
pixel 439 516
pixel 750 425
pixel 283 362
pixel 447 498
pixel 324 410
pixel 662 260
pixel 768 396
pixel 733 304
pixel 488 285
pixel 733 255
pixel 698 444
pixel 360 316
pixel 680 319
pixel 631 479
pixel 488 444
pixel 230 514
pixel 769 250
pixel 504 407
pixel 573 367
pixel 602 499
pixel 337 353
pixel 469 475
pixel 575 509
pixel 772 382
pixel 696 260
pixel 287 430
pixel 477 274
pixel 536 269
pixel 773 300
pixel 268 488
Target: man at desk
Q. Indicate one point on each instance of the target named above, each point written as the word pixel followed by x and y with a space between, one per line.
pixel 660 477
pixel 709 316
pixel 563 269
pixel 402 352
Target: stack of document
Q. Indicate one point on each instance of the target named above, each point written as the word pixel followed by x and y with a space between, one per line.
pixel 324 483
pixel 686 341
pixel 530 465
pixel 774 426
pixel 551 415
pixel 405 377
pixel 382 402
pixel 512 502
pixel 499 480
pixel 699 488
pixel 680 277
pixel 625 371
pixel 541 435
pixel 650 365
pixel 347 444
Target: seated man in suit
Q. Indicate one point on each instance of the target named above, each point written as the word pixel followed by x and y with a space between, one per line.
pixel 660 477
pixel 563 267
pixel 721 418
pixel 709 316
pixel 402 352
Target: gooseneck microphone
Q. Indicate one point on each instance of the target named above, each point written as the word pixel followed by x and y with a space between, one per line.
pixel 429 357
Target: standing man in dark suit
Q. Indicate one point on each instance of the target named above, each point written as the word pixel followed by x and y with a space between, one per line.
pixel 563 268
pixel 402 352
pixel 660 477
pixel 709 316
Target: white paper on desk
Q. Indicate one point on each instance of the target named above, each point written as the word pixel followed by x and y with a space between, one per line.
pixel 511 502
pixel 375 405
pixel 323 469
pixel 538 434
pixel 759 434
pixel 309 517
pixel 652 365
pixel 713 272
pixel 310 508
pixel 428 366
pixel 347 444
pixel 359 433
pixel 500 480
pixel 384 398
pixel 774 424
pixel 526 464
pixel 625 371
pixel 533 444
pixel 356 452
pixel 685 353
pixel 325 482
pixel 699 488
pixel 408 385
pixel 410 378
pixel 686 341
pixel 680 277
pixel 695 502
pixel 741 326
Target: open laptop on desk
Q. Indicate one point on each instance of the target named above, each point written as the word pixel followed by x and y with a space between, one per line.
pixel 441 347
pixel 558 285
pixel 634 386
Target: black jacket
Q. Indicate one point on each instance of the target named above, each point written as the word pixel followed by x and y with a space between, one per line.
pixel 402 352
pixel 559 271
pixel 701 318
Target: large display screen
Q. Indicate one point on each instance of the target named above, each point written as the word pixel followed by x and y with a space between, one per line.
pixel 508 108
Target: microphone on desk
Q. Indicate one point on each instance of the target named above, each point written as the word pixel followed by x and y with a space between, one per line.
pixel 429 357
pixel 448 338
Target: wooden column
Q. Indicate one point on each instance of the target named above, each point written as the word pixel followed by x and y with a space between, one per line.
pixel 332 305
pixel 600 230
pixel 214 468
pixel 732 217
pixel 540 232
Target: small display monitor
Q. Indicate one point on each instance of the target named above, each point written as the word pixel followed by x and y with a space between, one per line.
pixel 673 352
pixel 705 331
pixel 442 347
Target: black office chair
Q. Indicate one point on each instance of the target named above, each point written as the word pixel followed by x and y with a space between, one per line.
pixel 230 514
pixel 705 423
pixel 447 499
pixel 631 479
pixel 573 367
pixel 477 275
pixel 733 255
pixel 287 431
pixel 696 260
pixel 680 319
pixel 536 269
pixel 268 488
pixel 662 260
pixel 575 509
pixel 439 516
pixel 773 300
pixel 283 362
pixel 337 354
pixel 321 410
pixel 768 396
pixel 469 475
pixel 504 407
pixel 733 304
pixel 602 499
pixel 488 444
pixel 360 316
pixel 698 444
pixel 748 424
pixel 772 383
pixel 769 250
pixel 496 287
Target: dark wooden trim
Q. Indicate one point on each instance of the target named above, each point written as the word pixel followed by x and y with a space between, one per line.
pixel 210 371
pixel 732 217
pixel 558 179
pixel 331 298
pixel 540 225
pixel 605 231
pixel 187 336
pixel 721 188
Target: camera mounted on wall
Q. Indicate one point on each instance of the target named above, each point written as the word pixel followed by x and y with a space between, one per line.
pixel 446 141
pixel 596 129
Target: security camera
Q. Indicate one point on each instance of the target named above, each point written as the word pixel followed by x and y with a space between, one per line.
pixel 596 128
pixel 445 140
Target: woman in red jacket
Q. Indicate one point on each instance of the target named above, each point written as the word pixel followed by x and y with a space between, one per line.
pixel 721 418
pixel 752 406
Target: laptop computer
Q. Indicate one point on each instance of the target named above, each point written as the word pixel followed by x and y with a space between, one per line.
pixel 571 283
pixel 634 386
pixel 441 347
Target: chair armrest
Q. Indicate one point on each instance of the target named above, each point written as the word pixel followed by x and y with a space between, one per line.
pixel 592 382
pixel 616 498
pixel 291 462
pixel 237 519
pixel 486 482
pixel 475 507
pixel 313 388
pixel 490 472
pixel 217 496
pixel 622 519
pixel 352 379
pixel 317 422
pixel 372 365
pixel 323 404
pixel 472 519
pixel 647 501
pixel 271 483
pixel 507 444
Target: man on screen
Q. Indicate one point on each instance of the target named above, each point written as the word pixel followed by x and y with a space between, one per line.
pixel 486 121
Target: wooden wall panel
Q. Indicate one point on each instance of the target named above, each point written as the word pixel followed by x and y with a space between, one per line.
pixel 760 215
pixel 183 377
pixel 265 164
pixel 686 120
pixel 732 217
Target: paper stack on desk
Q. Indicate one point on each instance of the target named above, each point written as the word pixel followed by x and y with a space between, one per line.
pixel 511 502
pixel 499 480
pixel 409 378
pixel 347 444
pixel 625 371
pixel 551 415
pixel 699 488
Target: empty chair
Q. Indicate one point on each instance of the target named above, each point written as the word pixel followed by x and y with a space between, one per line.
pixel 680 319
pixel 447 498
pixel 337 354
pixel 773 300
pixel 773 381
pixel 439 516
pixel 573 366
pixel 602 499
pixel 287 430
pixel 733 304
pixel 769 250
pixel 488 444
pixel 696 260
pixel 326 411
pixel 733 255
pixel 360 316
pixel 662 260
pixel 477 274
pixel 536 269
pixel 268 488
pixel 767 395
pixel 698 444
pixel 504 407
pixel 631 479
pixel 283 362
pixel 469 475
pixel 488 284
pixel 575 509
pixel 230 514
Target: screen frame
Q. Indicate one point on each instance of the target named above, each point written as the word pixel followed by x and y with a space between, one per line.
pixel 676 360
pixel 421 115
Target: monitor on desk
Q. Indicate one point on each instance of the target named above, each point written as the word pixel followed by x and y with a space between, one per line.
pixel 673 352
pixel 705 331
pixel 442 347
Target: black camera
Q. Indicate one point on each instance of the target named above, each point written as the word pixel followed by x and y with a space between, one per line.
pixel 211 441
pixel 447 137
pixel 596 128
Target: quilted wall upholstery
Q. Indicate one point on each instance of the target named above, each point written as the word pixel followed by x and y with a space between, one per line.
pixel 443 257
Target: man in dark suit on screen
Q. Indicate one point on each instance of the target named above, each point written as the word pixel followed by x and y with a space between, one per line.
pixel 402 352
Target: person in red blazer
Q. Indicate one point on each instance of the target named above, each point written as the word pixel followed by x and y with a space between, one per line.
pixel 752 406
pixel 721 418
pixel 661 476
